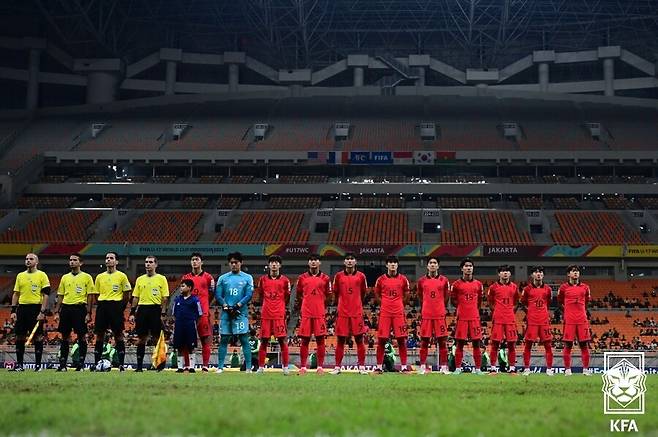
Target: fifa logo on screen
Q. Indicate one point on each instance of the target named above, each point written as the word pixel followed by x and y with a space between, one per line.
pixel 624 383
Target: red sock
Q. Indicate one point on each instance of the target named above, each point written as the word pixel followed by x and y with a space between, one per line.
pixel 402 346
pixel 584 351
pixel 443 352
pixel 262 352
pixel 493 353
pixel 549 354
pixel 477 357
pixel 321 350
pixel 284 351
pixel 186 357
pixel 424 347
pixel 511 354
pixel 527 352
pixel 459 355
pixel 205 354
pixel 360 351
pixel 303 352
pixel 566 355
pixel 381 344
pixel 340 351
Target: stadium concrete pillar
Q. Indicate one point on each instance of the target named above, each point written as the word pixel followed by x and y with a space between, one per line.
pixel 234 59
pixel 420 63
pixel 172 57
pixel 35 47
pixel 421 77
pixel 543 58
pixel 608 54
pixel 103 77
pixel 358 76
pixel 358 63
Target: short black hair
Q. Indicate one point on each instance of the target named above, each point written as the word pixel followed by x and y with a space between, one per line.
pixel 76 254
pixel 349 255
pixel 537 268
pixel 430 258
pixel 155 259
pixel 234 255
pixel 572 267
pixel 116 255
pixel 392 259
pixel 188 282
pixel 314 256
pixel 504 268
pixel 274 259
pixel 464 261
pixel 196 254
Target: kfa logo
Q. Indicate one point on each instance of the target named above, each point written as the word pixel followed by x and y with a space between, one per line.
pixel 624 386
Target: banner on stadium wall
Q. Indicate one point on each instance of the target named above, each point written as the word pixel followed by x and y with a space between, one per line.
pixel 635 251
pixel 453 251
pixel 21 249
pixel 291 250
pixel 513 251
pixel 174 249
pixel 424 157
pixel 63 249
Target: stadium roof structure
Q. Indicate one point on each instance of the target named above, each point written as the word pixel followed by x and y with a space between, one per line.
pixel 317 33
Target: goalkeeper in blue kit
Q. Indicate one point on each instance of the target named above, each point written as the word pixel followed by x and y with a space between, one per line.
pixel 233 293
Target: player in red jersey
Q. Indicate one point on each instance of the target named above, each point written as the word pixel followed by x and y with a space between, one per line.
pixel 536 296
pixel 392 289
pixel 503 296
pixel 433 292
pixel 573 295
pixel 312 290
pixel 466 295
pixel 349 290
pixel 204 290
pixel 274 290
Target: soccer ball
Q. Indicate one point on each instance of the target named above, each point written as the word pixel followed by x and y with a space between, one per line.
pixel 104 366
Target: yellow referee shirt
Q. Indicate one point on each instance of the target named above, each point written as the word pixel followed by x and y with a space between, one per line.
pixel 151 289
pixel 29 285
pixel 75 288
pixel 111 286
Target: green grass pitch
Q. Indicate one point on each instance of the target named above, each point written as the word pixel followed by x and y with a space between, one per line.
pixel 121 404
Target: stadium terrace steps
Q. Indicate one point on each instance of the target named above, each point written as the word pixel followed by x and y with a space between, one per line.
pixel 54 227
pixel 374 228
pixel 266 227
pixel 587 227
pixel 172 227
pixel 143 134
pixel 490 227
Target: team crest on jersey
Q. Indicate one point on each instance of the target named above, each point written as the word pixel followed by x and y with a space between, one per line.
pixel 624 383
pixel 155 291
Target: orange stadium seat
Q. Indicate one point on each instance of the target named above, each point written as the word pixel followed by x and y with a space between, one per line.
pixel 484 227
pixel 267 227
pixel 576 228
pixel 374 228
pixel 161 227
pixel 54 227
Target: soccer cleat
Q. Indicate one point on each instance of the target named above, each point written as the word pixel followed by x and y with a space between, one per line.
pixel 204 369
pixel 378 371
pixel 526 372
pixel 191 370
pixel 587 372
pixel 286 371
pixel 61 369
pixel 336 371
pixel 180 370
pixel 512 369
pixel 302 371
pixel 139 369
pixel 445 370
pixel 122 369
pixel 38 369
pixel 362 370
pixel 219 370
pixel 422 371
pixel 405 370
pixel 260 370
pixel 248 371
pixel 567 372
pixel 458 371
pixel 478 372
pixel 549 372
pixel 17 369
pixel 320 371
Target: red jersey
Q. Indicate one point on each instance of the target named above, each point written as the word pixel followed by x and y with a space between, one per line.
pixel 349 290
pixel 313 290
pixel 391 290
pixel 537 300
pixel 574 298
pixel 434 292
pixel 274 292
pixel 502 298
pixel 204 289
pixel 467 297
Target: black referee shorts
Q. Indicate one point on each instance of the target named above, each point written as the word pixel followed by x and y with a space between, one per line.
pixel 147 320
pixel 26 318
pixel 109 314
pixel 72 318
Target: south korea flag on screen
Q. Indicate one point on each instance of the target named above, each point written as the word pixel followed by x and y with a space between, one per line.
pixel 424 157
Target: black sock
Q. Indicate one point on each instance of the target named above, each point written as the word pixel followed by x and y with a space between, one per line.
pixel 20 352
pixel 141 350
pixel 98 350
pixel 38 351
pixel 82 353
pixel 121 351
pixel 63 353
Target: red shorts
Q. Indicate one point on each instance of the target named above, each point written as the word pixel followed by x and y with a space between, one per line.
pixel 273 327
pixel 506 331
pixel 573 332
pixel 468 330
pixel 538 333
pixel 346 326
pixel 312 326
pixel 433 328
pixel 397 323
pixel 203 326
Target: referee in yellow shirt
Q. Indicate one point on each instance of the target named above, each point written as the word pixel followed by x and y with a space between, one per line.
pixel 28 305
pixel 149 306
pixel 73 310
pixel 112 289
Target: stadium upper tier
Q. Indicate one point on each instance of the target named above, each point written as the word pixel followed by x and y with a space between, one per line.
pixel 341 227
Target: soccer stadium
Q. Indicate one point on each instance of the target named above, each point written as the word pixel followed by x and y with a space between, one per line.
pixel 328 217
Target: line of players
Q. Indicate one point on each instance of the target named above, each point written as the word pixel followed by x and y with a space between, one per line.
pixel 233 291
